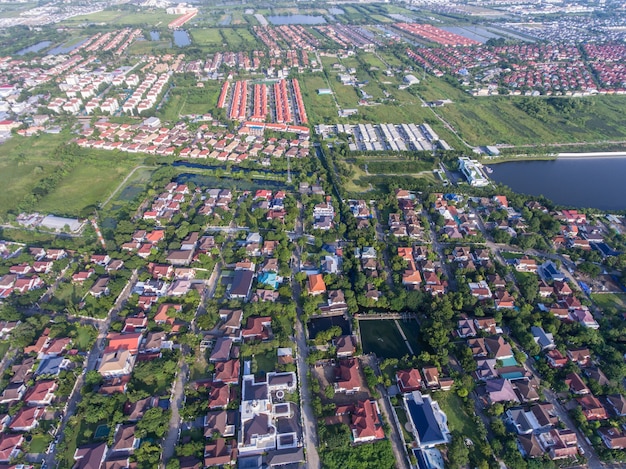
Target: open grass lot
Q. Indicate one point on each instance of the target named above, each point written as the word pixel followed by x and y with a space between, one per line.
pixel 23 163
pixel 206 36
pixel 186 101
pixel 319 108
pixel 382 338
pixel 458 418
pixel 123 17
pixel 239 39
pixel 39 443
pixel 490 120
pixel 360 181
pixel 148 47
pixel 610 303
pixel 86 185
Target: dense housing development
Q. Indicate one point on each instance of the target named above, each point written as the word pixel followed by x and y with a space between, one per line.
pixel 260 236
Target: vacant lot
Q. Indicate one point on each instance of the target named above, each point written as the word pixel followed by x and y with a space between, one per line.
pixel 84 186
pixel 123 17
pixel 610 303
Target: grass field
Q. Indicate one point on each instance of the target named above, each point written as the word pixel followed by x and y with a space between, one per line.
pixel 382 338
pixel 319 108
pixel 23 163
pixel 266 362
pixel 486 121
pixel 86 185
pixel 123 17
pixel 4 347
pixel 206 36
pixel 610 303
pixel 39 443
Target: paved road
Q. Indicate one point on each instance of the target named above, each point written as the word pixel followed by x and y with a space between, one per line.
pixel 308 417
pixel 593 462
pixel 92 361
pixel 176 401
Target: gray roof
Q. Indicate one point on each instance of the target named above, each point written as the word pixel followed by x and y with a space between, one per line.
pixel 285 456
pixel 242 283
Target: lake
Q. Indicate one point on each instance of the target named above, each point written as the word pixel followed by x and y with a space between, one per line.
pixel 155 36
pixel 35 47
pixel 296 19
pixel 181 38
pixel 336 11
pixel 579 182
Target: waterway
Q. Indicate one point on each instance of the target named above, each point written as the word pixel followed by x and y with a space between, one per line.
pixel 35 47
pixel 181 38
pixel 296 19
pixel 580 182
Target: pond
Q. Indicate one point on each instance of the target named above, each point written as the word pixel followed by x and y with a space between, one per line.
pixel 155 36
pixel 318 325
pixel 383 338
pixel 206 182
pixel 226 21
pixel 181 38
pixel 580 182
pixel 67 47
pixel 336 11
pixel 296 19
pixel 34 48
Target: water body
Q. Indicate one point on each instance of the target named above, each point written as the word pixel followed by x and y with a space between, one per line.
pixel 226 21
pixel 181 38
pixel 66 49
pixel 589 182
pixel 296 19
pixel 477 34
pixel 155 36
pixel 205 181
pixel 336 11
pixel 35 47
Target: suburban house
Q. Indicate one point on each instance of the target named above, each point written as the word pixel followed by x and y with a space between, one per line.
pixel 348 376
pixel 542 338
pixel 498 347
pixel 613 438
pixel 345 346
pixel 315 284
pixel 409 380
pixel 500 390
pixel 366 423
pixel 429 423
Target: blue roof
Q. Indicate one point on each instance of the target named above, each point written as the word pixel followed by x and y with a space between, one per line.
pixel 49 366
pixel 425 423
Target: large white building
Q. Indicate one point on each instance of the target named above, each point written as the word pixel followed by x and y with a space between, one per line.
pixel 471 169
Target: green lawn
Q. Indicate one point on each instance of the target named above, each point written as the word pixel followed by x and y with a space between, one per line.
pixel 266 362
pixel 610 303
pixel 4 347
pixel 402 418
pixel 458 418
pixel 39 443
pixel 85 337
